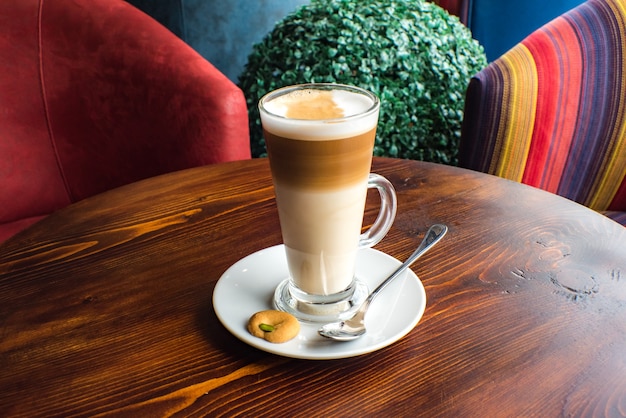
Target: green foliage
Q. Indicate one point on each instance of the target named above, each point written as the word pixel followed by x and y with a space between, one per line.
pixel 415 56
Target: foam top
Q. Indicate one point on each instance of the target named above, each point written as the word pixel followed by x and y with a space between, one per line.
pixel 319 114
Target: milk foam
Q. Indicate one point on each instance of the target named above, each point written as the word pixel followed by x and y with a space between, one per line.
pixel 350 124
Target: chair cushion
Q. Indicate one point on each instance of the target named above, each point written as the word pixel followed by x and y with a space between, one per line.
pixel 551 112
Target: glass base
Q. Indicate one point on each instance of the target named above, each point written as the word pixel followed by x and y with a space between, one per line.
pixel 320 308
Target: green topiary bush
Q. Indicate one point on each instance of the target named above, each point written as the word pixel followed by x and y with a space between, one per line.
pixel 415 56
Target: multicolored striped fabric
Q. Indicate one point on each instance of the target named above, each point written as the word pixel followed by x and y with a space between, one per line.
pixel 551 112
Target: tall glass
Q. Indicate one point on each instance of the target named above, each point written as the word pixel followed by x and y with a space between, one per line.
pixel 320 139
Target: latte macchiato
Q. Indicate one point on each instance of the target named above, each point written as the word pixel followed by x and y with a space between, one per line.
pixel 319 140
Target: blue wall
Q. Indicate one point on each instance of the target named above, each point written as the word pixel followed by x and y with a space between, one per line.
pixel 500 24
pixel 222 31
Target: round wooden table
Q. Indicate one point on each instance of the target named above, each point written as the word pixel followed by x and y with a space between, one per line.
pixel 106 306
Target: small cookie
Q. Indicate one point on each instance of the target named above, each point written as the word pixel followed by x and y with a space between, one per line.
pixel 274 326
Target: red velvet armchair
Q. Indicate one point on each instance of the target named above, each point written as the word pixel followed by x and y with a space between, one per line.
pixel 95 94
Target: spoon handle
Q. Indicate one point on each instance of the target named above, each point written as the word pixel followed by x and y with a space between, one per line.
pixel 433 235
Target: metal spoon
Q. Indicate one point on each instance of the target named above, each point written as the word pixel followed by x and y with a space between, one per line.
pixel 354 327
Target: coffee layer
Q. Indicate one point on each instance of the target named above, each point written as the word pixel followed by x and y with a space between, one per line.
pixel 320 165
pixel 321 233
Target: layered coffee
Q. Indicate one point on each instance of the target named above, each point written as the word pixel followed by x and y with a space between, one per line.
pixel 320 146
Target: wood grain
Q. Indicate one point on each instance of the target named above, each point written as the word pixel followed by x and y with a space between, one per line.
pixel 105 306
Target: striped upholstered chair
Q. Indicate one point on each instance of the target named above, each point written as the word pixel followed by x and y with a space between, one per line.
pixel 551 112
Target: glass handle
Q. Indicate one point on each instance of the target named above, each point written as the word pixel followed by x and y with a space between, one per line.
pixel 387 214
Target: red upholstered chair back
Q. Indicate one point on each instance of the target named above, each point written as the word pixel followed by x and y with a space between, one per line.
pixel 551 112
pixel 95 94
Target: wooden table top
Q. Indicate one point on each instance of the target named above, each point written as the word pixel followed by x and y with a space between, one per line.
pixel 106 305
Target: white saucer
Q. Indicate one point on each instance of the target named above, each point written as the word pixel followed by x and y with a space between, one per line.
pixel 248 287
